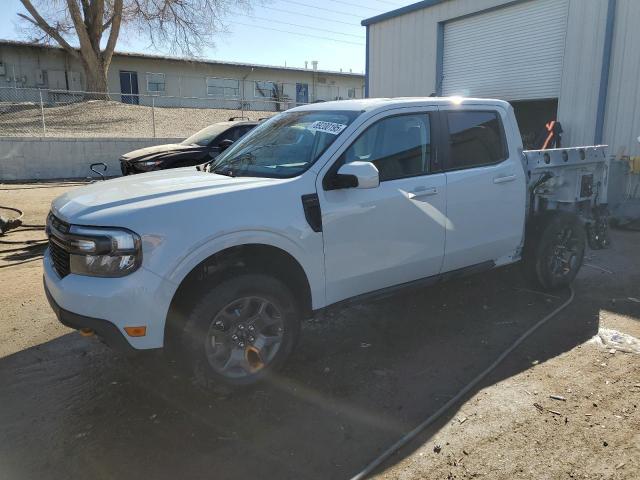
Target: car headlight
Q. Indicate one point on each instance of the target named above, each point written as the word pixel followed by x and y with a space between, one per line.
pixel 103 252
pixel 148 164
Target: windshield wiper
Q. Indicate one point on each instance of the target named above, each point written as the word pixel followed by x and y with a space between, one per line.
pixel 228 173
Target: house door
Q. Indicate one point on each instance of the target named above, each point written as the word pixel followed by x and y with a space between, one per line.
pixel 302 93
pixel 129 87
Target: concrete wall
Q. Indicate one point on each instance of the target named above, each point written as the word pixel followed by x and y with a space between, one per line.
pixel 44 158
pixel 403 61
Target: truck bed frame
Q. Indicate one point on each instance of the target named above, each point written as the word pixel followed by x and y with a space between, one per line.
pixel 573 180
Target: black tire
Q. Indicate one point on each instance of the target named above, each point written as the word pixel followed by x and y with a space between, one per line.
pixel 200 344
pixel 554 250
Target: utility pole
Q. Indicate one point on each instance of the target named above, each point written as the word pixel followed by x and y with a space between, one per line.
pixel 242 99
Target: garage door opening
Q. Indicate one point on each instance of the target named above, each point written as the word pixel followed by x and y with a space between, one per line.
pixel 532 115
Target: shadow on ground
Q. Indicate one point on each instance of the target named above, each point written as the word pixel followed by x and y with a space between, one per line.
pixel 71 408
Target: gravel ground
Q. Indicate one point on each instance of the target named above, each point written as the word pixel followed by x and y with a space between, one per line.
pixel 360 378
pixel 99 118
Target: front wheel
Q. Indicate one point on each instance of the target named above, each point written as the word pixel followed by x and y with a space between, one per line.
pixel 241 330
pixel 554 250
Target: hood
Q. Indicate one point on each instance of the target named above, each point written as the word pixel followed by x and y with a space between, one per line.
pixel 119 201
pixel 144 153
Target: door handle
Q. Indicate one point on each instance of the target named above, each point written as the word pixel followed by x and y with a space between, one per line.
pixel 505 179
pixel 421 191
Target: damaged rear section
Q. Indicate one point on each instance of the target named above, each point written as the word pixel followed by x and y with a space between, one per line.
pixel 573 180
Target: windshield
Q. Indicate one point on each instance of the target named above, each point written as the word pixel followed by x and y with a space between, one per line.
pixel 285 145
pixel 206 135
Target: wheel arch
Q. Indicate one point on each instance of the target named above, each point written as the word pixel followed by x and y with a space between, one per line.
pixel 243 258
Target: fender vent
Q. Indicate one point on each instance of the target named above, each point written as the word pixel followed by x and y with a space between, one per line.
pixel 311 206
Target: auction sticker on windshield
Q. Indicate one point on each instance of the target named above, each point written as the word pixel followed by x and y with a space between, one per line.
pixel 327 127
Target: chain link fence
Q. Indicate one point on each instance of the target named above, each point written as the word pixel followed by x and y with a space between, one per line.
pixel 33 112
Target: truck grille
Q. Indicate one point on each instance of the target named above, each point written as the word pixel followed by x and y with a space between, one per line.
pixel 59 255
pixel 60 259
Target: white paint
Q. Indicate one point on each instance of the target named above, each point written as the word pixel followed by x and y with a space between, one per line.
pixel 49 158
pixel 372 238
pixel 380 237
pixel 485 206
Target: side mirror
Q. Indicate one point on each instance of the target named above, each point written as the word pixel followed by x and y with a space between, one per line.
pixel 224 144
pixel 358 175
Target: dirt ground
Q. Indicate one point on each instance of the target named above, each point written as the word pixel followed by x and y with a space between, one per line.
pixel 99 118
pixel 359 380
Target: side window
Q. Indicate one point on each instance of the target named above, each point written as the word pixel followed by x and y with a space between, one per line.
pixel 246 129
pixel 231 134
pixel 475 138
pixel 398 146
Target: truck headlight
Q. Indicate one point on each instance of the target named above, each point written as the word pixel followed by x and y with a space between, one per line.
pixel 103 252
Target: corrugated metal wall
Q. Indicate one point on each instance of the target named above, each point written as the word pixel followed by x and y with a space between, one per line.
pixel 622 118
pixel 403 50
pixel 403 60
pixel 581 73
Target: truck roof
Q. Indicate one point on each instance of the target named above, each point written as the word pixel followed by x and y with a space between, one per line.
pixel 367 104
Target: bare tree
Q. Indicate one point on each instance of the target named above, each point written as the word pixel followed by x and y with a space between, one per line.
pixel 185 26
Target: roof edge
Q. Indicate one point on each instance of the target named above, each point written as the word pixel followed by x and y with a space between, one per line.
pixel 19 43
pixel 400 11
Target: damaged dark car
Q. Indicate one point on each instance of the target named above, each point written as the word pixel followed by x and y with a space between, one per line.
pixel 199 148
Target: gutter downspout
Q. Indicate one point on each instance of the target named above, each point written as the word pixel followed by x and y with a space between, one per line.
pixel 366 64
pixel 604 75
pixel 439 59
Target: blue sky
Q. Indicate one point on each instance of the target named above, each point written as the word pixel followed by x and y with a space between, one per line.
pixel 277 32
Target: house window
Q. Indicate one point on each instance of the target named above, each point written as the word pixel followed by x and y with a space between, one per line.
pixel 155 82
pixel 265 90
pixel 351 93
pixel 223 87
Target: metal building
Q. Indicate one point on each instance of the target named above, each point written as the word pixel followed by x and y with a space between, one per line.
pixel 577 60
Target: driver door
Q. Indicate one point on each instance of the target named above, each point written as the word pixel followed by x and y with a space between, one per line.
pixel 394 233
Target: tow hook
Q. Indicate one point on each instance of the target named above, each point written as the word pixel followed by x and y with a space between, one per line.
pixel 254 359
pixel 86 332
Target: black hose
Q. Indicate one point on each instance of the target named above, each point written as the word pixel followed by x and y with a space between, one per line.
pixel 466 389
pixel 17 210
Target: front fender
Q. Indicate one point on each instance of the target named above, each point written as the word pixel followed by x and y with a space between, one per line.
pixel 305 253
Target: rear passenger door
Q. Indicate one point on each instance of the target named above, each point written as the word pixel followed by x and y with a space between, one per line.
pixel 486 191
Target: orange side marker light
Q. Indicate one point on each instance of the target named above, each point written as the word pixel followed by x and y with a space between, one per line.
pixel 136 331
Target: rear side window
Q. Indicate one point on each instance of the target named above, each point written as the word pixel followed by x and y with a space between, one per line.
pixel 398 146
pixel 475 139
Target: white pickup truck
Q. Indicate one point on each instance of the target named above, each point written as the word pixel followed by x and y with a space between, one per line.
pixel 319 205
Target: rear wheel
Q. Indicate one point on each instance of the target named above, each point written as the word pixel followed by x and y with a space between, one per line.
pixel 554 250
pixel 241 330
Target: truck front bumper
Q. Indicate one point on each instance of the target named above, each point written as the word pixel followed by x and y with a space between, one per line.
pixel 108 305
pixel 106 330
